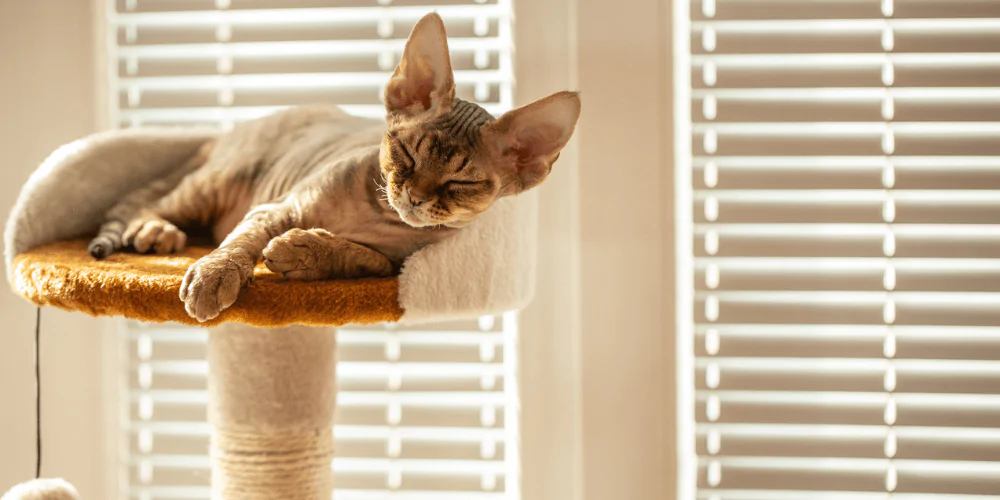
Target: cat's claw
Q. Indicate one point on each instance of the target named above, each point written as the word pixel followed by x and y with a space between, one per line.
pixel 213 283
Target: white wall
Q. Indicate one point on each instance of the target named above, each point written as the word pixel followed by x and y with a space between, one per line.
pixel 46 99
pixel 597 349
pixel 626 267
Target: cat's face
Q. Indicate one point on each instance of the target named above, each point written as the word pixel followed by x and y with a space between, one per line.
pixel 445 161
pixel 434 179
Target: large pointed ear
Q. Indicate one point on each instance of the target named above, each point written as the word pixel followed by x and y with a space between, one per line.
pixel 423 82
pixel 529 139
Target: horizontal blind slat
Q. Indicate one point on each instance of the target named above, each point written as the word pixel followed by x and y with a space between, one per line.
pixel 985 333
pixel 288 81
pixel 284 17
pixel 875 400
pixel 292 49
pixel 833 27
pixel 344 336
pixel 937 467
pixel 204 493
pixel 348 370
pixel 839 264
pixel 242 113
pixel 448 399
pixel 969 231
pixel 347 432
pixel 849 60
pixel 988 163
pixel 934 95
pixel 773 494
pixel 853 366
pixel 840 196
pixel 849 129
pixel 854 297
pixel 341 464
pixel 991 434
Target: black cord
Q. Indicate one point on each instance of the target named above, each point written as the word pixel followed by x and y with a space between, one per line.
pixel 38 393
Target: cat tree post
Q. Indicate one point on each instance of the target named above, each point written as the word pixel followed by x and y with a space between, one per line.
pixel 271 400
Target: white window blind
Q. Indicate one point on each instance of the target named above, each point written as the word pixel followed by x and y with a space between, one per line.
pixel 422 413
pixel 845 224
pixel 216 62
pixel 425 413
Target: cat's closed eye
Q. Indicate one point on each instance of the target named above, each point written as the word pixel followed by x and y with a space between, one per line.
pixel 464 186
pixel 401 153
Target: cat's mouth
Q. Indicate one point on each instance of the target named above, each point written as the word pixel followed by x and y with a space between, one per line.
pixel 412 218
pixel 409 215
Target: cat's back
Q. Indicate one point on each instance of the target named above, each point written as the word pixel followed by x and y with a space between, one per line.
pixel 275 151
pixel 312 138
pixel 288 126
pixel 322 128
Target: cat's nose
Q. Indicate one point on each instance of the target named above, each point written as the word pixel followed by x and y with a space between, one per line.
pixel 416 197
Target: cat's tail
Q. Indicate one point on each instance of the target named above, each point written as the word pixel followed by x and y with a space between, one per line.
pixel 109 237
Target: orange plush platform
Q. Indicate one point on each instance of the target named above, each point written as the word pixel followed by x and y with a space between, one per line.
pixel 146 287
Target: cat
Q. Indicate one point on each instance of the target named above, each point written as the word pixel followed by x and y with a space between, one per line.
pixel 320 194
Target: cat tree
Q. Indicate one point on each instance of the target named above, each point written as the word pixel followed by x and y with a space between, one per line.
pixel 271 355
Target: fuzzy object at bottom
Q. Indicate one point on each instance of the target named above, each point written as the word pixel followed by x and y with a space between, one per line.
pixel 42 489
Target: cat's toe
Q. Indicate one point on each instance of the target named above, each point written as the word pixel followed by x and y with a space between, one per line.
pixel 209 293
pixel 132 232
pixel 294 250
pixel 101 247
pixel 280 255
pixel 170 240
pixel 211 285
pixel 159 236
pixel 146 237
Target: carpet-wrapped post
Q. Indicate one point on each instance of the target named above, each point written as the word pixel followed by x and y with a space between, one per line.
pixel 271 399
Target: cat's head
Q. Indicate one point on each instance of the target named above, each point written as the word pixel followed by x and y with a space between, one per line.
pixel 444 160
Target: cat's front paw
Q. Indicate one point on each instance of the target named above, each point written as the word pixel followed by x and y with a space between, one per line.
pixel 213 283
pixel 317 254
pixel 299 254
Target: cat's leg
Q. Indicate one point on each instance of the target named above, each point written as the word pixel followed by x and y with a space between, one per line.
pixel 317 254
pixel 214 282
pixel 128 218
pixel 194 201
